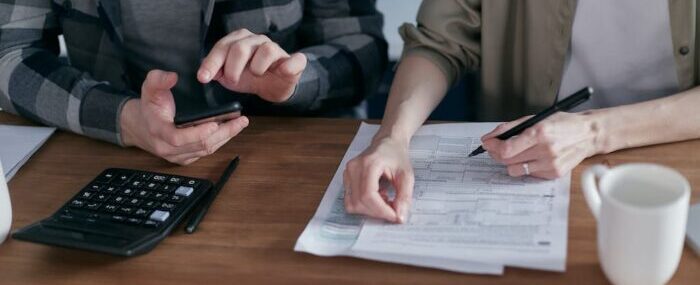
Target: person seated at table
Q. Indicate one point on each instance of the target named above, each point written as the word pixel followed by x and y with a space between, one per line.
pixel 296 57
pixel 639 56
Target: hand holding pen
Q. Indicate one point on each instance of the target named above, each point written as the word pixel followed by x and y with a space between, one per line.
pixel 547 145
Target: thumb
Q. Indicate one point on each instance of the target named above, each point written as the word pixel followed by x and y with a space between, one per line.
pixel 157 81
pixel 403 183
pixel 292 65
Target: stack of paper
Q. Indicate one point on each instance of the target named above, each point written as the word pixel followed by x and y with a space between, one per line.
pixel 18 144
pixel 467 215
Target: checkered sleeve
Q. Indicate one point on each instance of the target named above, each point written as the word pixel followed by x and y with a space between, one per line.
pixel 35 84
pixel 346 52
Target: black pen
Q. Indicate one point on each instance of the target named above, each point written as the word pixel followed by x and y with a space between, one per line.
pixel 564 105
pixel 204 206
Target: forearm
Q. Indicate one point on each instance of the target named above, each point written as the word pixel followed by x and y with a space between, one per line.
pixel 418 87
pixel 669 119
pixel 75 103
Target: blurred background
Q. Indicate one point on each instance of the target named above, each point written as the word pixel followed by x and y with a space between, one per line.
pixel 455 106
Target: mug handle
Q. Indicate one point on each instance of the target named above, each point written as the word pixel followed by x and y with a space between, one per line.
pixel 590 188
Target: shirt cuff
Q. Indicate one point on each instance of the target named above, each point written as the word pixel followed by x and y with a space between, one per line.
pixel 100 112
pixel 307 89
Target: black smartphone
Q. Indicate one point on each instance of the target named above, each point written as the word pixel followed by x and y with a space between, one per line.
pixel 219 114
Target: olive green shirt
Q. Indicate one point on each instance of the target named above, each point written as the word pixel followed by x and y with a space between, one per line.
pixel 519 48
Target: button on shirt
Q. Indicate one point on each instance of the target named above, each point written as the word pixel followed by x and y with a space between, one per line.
pixel 622 49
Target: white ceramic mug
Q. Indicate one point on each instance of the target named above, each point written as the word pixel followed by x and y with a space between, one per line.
pixel 641 210
pixel 5 208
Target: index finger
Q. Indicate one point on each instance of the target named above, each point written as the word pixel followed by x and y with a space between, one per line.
pixel 403 182
pixel 214 61
pixel 369 197
pixel 504 127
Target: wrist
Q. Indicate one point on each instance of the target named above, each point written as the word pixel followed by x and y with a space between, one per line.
pixel 398 138
pixel 126 121
pixel 598 124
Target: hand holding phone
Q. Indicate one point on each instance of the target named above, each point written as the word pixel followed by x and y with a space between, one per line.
pixel 148 123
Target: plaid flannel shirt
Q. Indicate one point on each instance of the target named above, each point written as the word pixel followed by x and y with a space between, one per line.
pixel 342 40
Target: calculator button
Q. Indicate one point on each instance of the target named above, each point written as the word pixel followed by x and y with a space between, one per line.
pixel 67 217
pixel 127 192
pixel 140 212
pixel 167 206
pixel 152 185
pixel 175 180
pixel 150 204
pixel 110 208
pixel 159 178
pixel 86 195
pixel 167 188
pixel 118 218
pixel 122 179
pixel 92 218
pixel 136 183
pixel 192 182
pixel 134 202
pixel 95 187
pixel 159 196
pixel 92 205
pixel 77 203
pixel 176 198
pixel 151 223
pixel 134 221
pixel 125 210
pixel 144 176
pixel 159 215
pixel 142 194
pixel 184 191
pixel 105 177
pixel 118 199
pixel 110 189
pixel 100 197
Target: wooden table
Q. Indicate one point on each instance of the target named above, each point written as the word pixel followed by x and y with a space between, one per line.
pixel 250 231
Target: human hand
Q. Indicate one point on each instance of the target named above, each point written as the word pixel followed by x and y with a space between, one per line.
pixel 148 124
pixel 550 148
pixel 365 194
pixel 250 63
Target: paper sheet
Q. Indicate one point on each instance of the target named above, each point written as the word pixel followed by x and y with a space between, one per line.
pixel 468 215
pixel 18 144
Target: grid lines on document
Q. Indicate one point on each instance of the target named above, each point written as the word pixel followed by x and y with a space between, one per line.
pixel 475 194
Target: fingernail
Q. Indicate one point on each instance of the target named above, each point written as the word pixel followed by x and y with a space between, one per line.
pixel 245 121
pixel 205 75
pixel 400 216
pixel 402 219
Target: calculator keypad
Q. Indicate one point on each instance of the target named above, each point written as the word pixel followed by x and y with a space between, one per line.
pixel 131 197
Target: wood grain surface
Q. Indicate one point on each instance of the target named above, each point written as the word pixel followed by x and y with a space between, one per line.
pixel 249 234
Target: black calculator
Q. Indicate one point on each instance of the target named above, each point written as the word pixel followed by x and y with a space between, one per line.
pixel 122 212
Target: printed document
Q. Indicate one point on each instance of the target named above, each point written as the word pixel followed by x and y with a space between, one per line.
pixel 467 214
pixel 18 144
